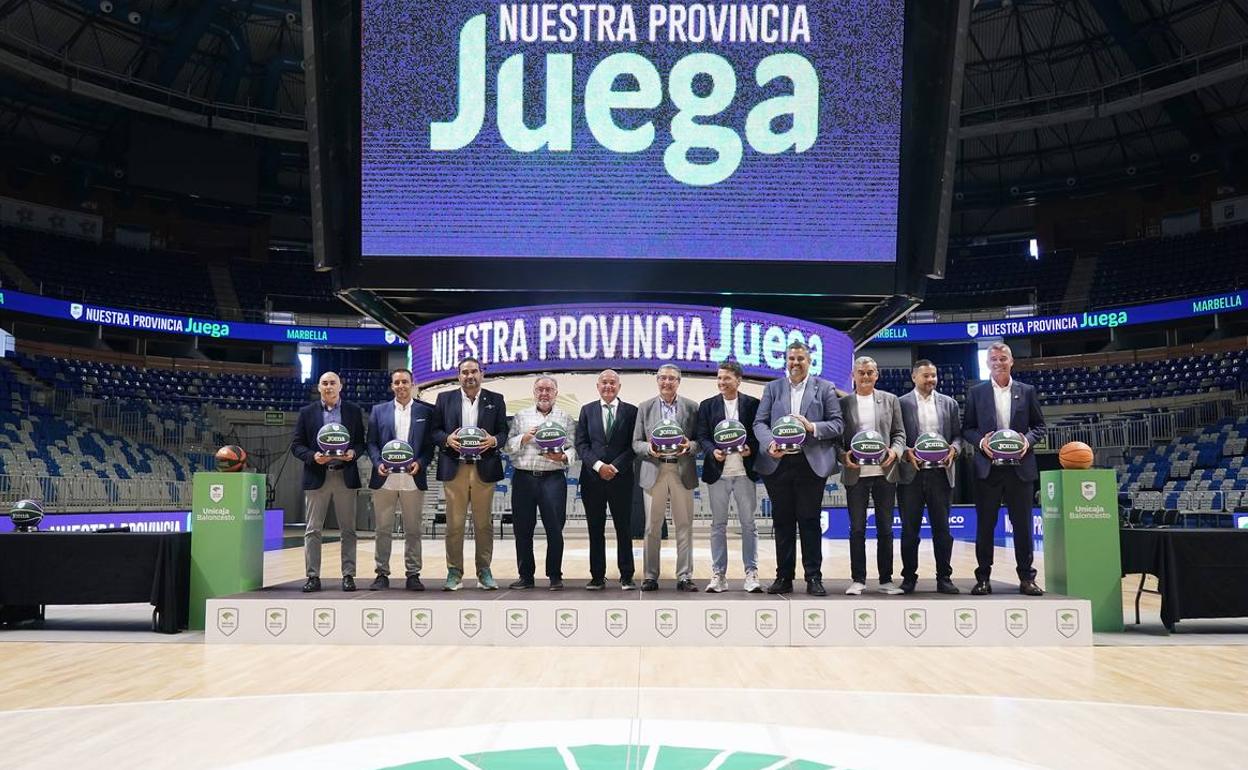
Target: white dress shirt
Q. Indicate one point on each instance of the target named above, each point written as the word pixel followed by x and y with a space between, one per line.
pixel 401 482
pixel 795 395
pixel 734 463
pixel 929 421
pixel 866 421
pixel 468 409
pixel 1001 400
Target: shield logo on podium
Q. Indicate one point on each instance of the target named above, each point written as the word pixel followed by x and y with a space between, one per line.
pixel 665 622
pixel 1052 490
pixel 717 622
pixel 470 622
pixel 517 622
pixel 864 622
pixel 422 621
pixel 566 622
pixel 965 621
pixel 372 619
pixel 1088 490
pixel 766 623
pixel 275 620
pixel 617 622
pixel 323 620
pixel 216 492
pixel 916 622
pixel 255 492
pixel 815 622
pixel 227 620
pixel 1068 622
pixel 1016 622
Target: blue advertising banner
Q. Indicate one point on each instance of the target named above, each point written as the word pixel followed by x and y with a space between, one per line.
pixel 1172 310
pixel 750 130
pixel 625 336
pixel 962 521
pixel 143 521
pixel 143 321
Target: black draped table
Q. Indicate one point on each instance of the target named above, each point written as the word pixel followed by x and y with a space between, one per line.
pixel 41 568
pixel 1201 573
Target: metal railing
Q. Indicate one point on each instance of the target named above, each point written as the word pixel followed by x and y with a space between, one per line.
pixel 67 494
pixel 1147 430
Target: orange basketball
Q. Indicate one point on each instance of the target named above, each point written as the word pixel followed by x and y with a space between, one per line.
pixel 1076 455
pixel 231 459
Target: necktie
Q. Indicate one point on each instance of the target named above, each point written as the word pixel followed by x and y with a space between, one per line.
pixel 610 420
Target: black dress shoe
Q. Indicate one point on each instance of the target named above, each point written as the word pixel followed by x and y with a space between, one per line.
pixel 556 584
pixel 982 588
pixel 521 585
pixel 1029 588
pixel 685 584
pixel 627 585
pixel 348 583
pixel 414 584
pixel 815 588
pixel 946 586
pixel 907 586
pixel 596 584
pixel 649 585
pixel 312 585
pixel 781 586
pixel 380 583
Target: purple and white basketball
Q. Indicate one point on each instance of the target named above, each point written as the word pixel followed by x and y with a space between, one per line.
pixel 789 434
pixel 667 437
pixel 931 448
pixel 729 435
pixel 551 437
pixel 1006 445
pixel 397 456
pixel 868 447
pixel 471 441
pixel 333 439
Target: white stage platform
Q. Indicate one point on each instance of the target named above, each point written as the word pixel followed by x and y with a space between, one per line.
pixel 282 614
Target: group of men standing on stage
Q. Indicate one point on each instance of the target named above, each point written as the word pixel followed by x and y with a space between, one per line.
pixel 609 435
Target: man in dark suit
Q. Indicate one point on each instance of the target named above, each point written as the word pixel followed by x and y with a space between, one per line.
pixel 667 478
pixel 795 482
pixel 469 480
pixel 328 479
pixel 405 419
pixel 604 442
pixel 730 476
pixel 924 410
pixel 1002 403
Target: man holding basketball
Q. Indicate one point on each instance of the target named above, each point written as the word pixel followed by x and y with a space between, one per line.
pixel 999 404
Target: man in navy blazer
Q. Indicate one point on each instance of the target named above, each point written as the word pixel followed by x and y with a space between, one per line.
pixel 328 479
pixel 1001 403
pixel 405 419
pixel 730 476
pixel 795 482
pixel 469 481
pixel 604 443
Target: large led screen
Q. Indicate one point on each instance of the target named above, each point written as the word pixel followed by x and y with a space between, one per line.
pixel 652 130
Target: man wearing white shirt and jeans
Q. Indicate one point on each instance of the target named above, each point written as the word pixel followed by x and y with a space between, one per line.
pixel 540 483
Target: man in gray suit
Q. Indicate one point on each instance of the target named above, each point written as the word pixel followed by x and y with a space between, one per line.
pixel 923 410
pixel 870 409
pixel 795 482
pixel 665 479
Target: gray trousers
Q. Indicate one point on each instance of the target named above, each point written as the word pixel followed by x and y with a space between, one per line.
pixel 316 508
pixel 386 503
pixel 722 492
pixel 668 487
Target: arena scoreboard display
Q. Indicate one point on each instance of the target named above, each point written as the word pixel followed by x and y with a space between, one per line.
pixel 752 131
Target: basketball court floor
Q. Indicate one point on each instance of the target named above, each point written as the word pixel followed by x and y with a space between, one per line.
pixel 94 689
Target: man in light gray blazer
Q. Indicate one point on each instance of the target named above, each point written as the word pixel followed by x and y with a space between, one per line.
pixel 923 410
pixel 795 482
pixel 667 479
pixel 870 409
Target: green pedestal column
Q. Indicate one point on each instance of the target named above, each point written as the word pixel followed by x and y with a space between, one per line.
pixel 1081 549
pixel 227 540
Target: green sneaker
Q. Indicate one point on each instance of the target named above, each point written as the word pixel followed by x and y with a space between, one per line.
pixel 485 581
pixel 454 581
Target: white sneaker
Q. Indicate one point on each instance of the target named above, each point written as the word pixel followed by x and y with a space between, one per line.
pixel 717 585
pixel 890 588
pixel 751 585
pixel 855 589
